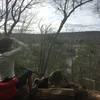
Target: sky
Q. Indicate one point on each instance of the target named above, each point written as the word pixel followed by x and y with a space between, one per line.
pixel 83 19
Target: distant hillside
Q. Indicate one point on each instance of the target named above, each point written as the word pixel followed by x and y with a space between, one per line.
pixel 72 36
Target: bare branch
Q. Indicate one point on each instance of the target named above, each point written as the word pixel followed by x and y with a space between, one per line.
pixel 6 17
pixel 64 11
pixel 82 3
pixel 9 1
pixel 12 10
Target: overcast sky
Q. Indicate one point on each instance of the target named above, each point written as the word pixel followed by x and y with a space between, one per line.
pixel 82 19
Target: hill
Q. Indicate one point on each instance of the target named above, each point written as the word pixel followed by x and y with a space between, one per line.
pixel 65 36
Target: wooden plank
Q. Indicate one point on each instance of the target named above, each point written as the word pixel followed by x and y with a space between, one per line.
pixel 56 91
pixel 55 94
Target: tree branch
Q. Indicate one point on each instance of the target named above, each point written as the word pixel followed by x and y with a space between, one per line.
pixel 12 10
pixel 82 3
pixel 6 17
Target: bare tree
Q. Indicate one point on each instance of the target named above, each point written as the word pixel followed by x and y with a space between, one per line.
pixel 12 10
pixel 66 7
pixel 44 45
pixel 26 23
